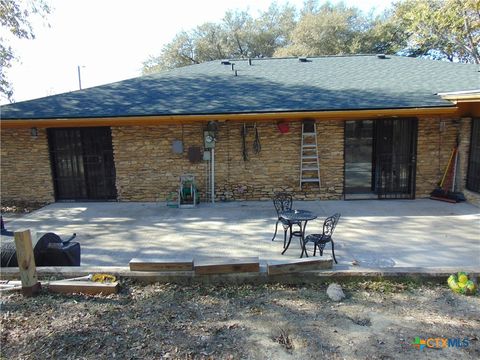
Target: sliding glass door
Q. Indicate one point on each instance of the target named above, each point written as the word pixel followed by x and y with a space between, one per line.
pixel 380 159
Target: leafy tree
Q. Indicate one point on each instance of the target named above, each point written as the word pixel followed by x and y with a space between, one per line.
pixel 441 29
pixel 272 29
pixel 237 35
pixel 15 17
pixel 381 35
pixel 328 30
pixel 337 29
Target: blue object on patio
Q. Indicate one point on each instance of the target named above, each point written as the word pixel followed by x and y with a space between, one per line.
pixel 320 240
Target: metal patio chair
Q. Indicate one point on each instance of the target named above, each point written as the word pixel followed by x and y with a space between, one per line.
pixel 283 201
pixel 320 240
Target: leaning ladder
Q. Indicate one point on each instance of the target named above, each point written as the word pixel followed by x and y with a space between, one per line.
pixel 309 164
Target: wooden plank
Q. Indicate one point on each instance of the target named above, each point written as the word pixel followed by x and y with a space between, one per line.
pixel 26 262
pixel 275 267
pixel 161 264
pixel 84 287
pixel 217 265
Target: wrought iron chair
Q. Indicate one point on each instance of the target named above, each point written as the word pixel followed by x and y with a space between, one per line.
pixel 283 201
pixel 320 240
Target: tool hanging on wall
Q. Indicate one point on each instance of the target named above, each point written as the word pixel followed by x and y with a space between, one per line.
pixel 257 146
pixel 244 142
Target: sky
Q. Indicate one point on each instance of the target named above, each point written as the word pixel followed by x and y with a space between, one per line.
pixel 110 39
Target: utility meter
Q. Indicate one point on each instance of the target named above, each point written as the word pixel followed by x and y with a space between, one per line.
pixel 209 139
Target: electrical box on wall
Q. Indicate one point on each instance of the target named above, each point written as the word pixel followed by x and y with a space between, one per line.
pixel 209 139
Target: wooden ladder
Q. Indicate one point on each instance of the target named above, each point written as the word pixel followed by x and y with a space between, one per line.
pixel 309 163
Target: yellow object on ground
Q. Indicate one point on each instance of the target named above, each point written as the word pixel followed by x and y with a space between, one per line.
pixel 461 284
pixel 462 277
pixel 103 278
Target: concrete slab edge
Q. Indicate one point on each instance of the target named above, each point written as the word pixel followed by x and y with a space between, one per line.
pixel 303 277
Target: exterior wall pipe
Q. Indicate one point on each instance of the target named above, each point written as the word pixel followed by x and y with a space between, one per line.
pixel 213 176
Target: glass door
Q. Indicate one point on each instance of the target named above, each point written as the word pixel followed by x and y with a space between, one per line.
pixel 359 164
pixel 380 159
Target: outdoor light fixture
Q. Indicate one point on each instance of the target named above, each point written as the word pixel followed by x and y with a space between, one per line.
pixel 34 132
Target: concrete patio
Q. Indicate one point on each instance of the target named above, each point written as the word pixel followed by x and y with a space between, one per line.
pixel 420 233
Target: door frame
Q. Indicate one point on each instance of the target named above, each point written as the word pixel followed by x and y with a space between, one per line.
pixel 377 192
pixel 86 178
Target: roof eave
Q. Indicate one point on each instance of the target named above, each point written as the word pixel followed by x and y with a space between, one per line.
pixel 267 116
pixel 461 96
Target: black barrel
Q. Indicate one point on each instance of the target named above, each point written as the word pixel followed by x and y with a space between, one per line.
pixel 50 250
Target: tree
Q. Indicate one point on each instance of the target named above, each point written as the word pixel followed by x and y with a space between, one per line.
pixel 238 35
pixel 15 17
pixel 441 29
pixel 328 30
pixel 272 29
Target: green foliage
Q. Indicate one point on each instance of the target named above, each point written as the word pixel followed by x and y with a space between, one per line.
pixel 442 29
pixel 237 35
pixel 15 17
pixel 337 29
pixel 439 29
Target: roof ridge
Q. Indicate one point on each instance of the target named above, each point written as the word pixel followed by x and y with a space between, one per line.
pixel 296 57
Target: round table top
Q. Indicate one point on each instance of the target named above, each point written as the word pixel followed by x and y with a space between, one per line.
pixel 297 215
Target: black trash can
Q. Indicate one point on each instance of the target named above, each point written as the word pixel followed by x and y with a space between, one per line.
pixel 50 250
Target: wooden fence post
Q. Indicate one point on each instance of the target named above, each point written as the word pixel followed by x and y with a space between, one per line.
pixel 26 262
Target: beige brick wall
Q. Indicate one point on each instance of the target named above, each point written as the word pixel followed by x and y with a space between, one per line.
pixel 436 138
pixel 147 169
pixel 25 167
pixel 465 129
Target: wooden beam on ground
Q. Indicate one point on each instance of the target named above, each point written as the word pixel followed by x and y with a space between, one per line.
pixel 83 287
pixel 26 262
pixel 8 285
pixel 275 267
pixel 159 264
pixel 217 265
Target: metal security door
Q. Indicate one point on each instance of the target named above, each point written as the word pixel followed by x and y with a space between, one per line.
pixel 395 158
pixel 82 161
pixel 98 163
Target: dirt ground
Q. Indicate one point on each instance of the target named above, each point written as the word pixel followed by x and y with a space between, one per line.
pixel 377 320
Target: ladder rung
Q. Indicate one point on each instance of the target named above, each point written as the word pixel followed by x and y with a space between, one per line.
pixel 309 163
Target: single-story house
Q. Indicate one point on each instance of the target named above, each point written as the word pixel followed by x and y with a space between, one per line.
pixel 383 127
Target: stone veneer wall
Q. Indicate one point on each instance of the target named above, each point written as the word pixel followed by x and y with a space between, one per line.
pixel 147 169
pixel 436 139
pixel 25 167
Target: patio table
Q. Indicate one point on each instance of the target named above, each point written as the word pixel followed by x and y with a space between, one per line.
pixel 302 217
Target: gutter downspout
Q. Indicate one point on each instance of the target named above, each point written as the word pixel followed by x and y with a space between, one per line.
pixel 213 176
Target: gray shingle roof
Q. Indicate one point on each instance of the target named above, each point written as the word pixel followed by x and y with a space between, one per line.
pixel 268 85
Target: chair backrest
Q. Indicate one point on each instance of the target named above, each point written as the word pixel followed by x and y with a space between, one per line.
pixel 330 224
pixel 282 201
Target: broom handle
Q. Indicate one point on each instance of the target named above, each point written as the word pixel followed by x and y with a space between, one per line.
pixel 454 169
pixel 448 167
